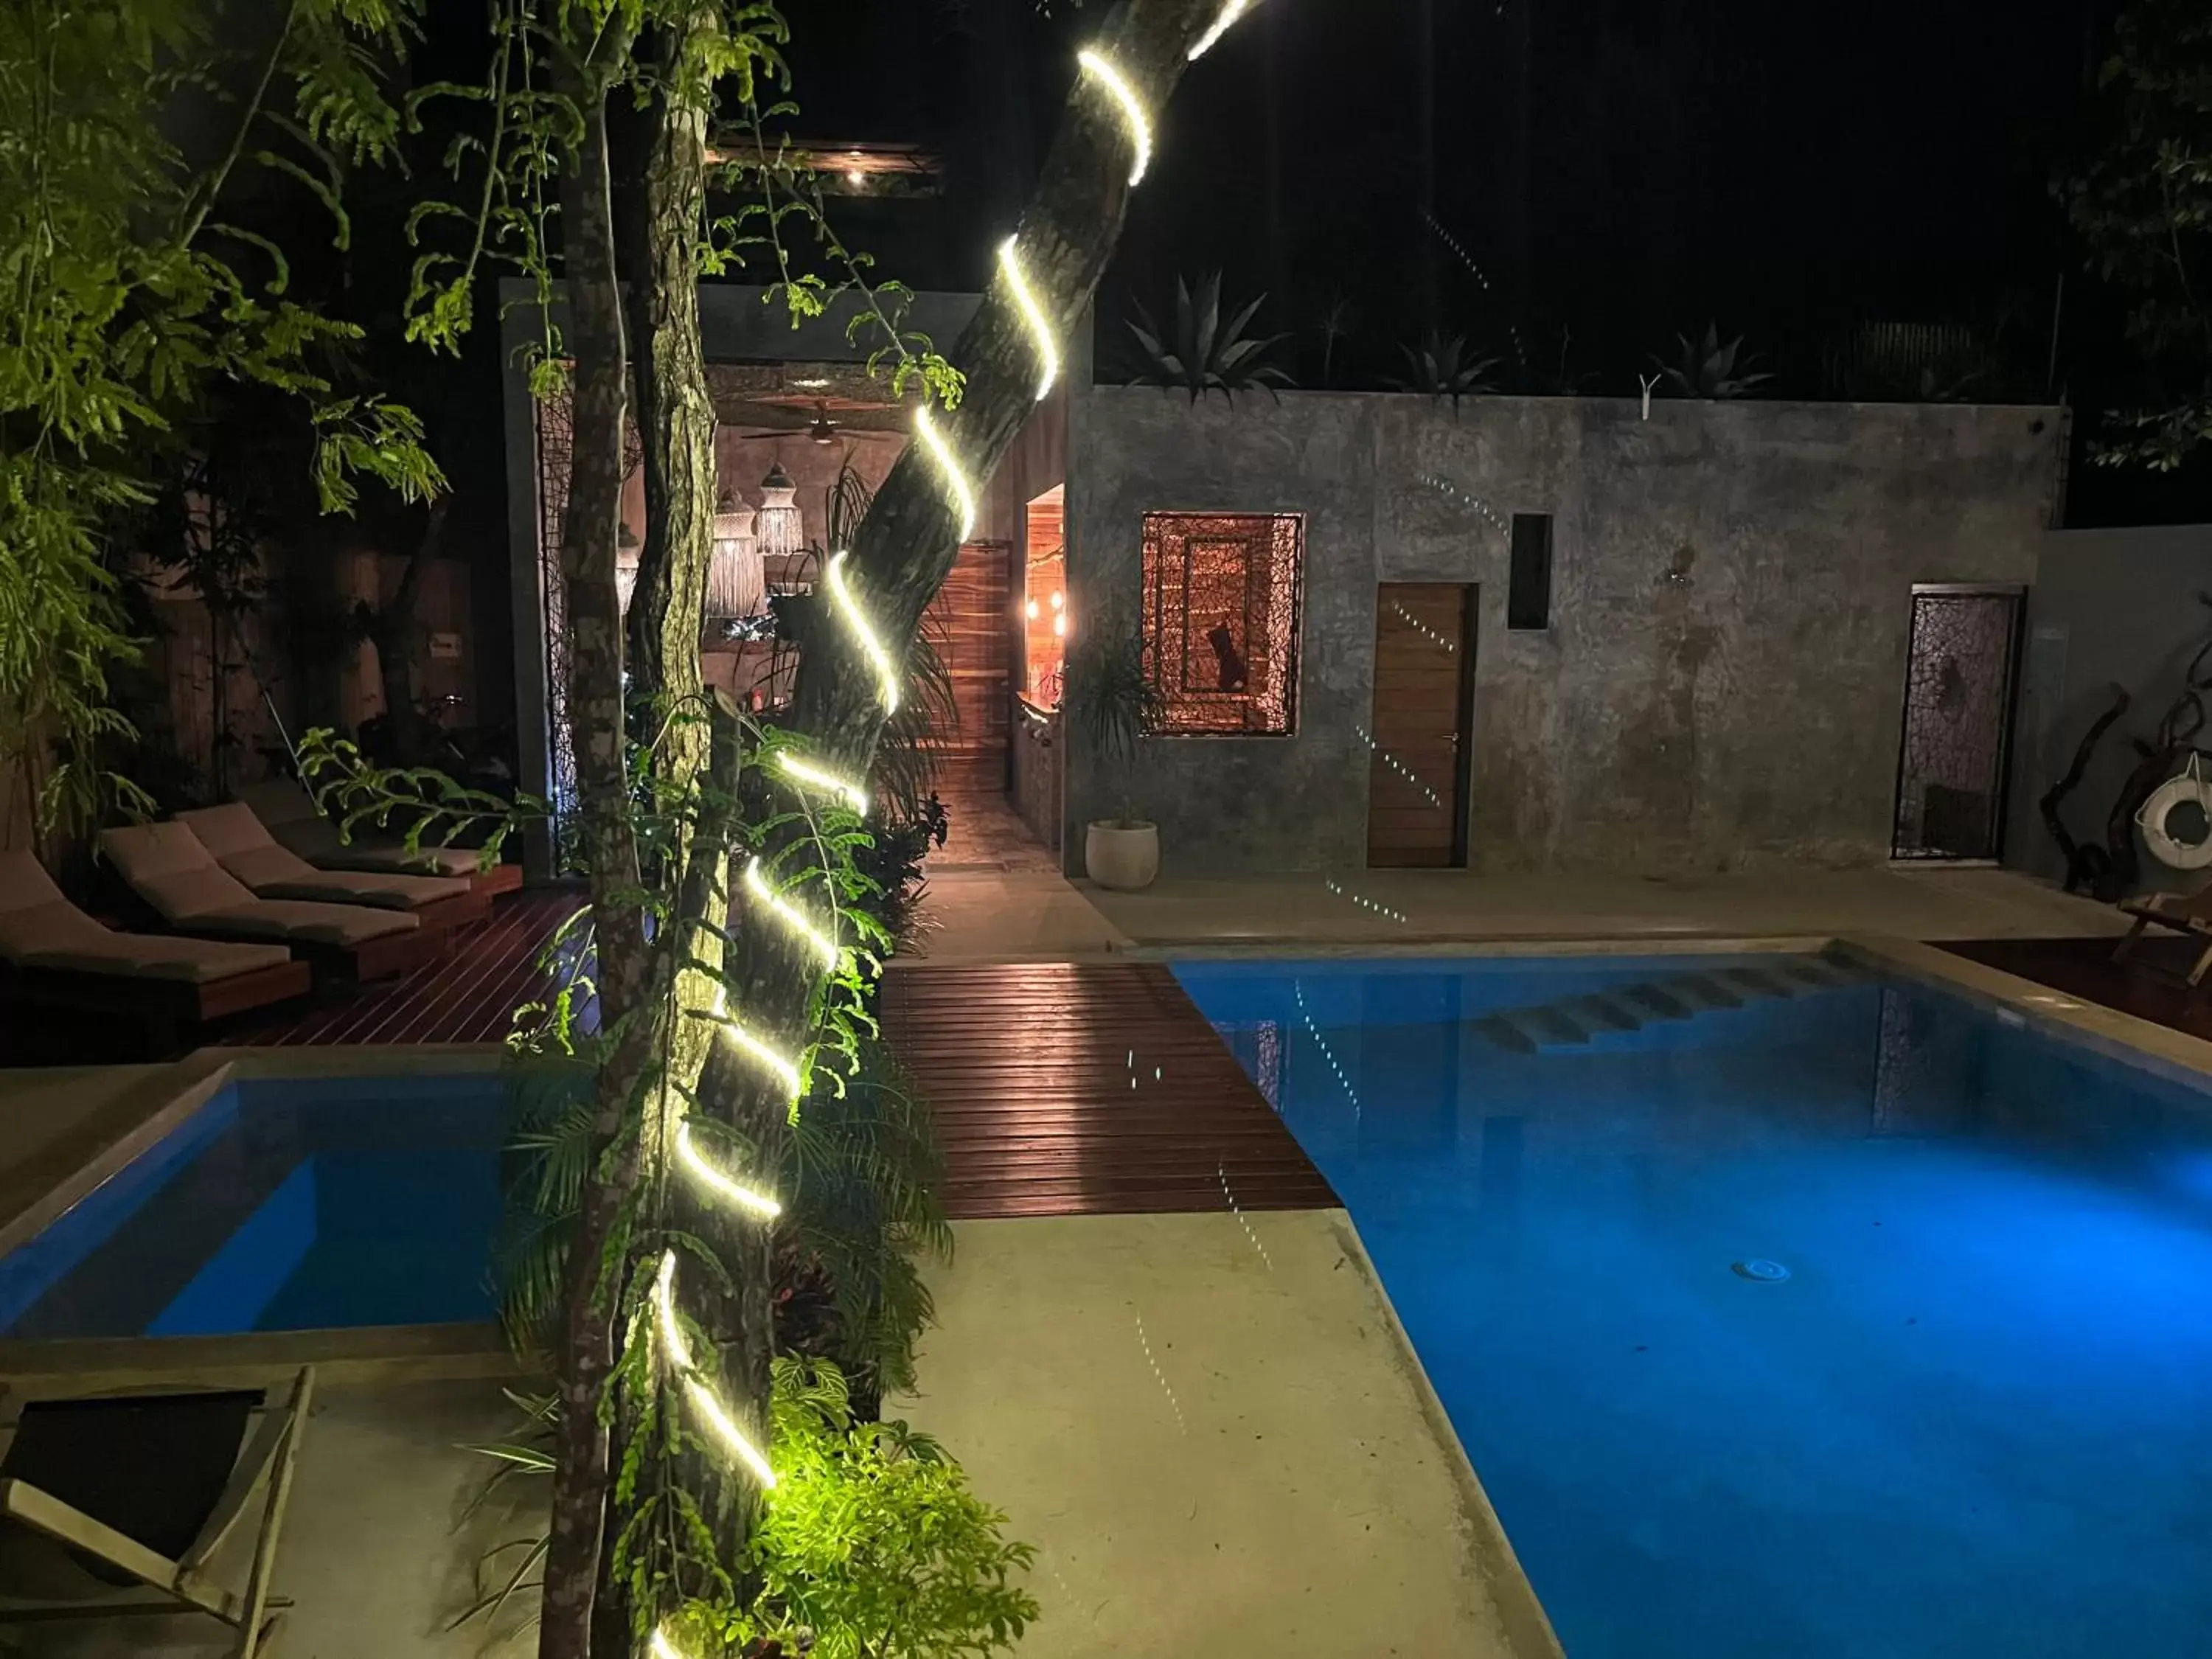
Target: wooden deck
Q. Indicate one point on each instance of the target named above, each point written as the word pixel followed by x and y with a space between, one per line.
pixel 467 991
pixel 2150 984
pixel 1028 1068
pixel 1029 1071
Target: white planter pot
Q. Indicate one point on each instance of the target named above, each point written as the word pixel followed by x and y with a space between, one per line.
pixel 1124 856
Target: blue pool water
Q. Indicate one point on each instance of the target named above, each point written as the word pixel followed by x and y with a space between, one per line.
pixel 280 1206
pixel 1974 1419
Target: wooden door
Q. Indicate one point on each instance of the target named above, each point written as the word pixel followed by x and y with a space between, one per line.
pixel 1423 718
pixel 968 623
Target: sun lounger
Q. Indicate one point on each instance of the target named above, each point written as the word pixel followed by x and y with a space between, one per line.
pixel 244 847
pixel 139 1492
pixel 2189 913
pixel 172 870
pixel 296 822
pixel 58 955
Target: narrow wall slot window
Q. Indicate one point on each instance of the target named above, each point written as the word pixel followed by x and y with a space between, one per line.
pixel 1529 584
pixel 1222 596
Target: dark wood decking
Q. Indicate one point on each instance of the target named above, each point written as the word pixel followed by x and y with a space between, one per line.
pixel 2149 985
pixel 1028 1068
pixel 466 991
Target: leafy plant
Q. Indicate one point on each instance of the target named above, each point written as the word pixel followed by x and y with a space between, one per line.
pixel 1707 368
pixel 1440 367
pixel 1205 354
pixel 872 1546
pixel 1335 325
pixel 2142 209
pixel 1112 700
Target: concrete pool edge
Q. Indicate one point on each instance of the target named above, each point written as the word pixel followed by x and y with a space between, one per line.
pixel 1529 1627
pixel 2123 1038
pixel 365 1355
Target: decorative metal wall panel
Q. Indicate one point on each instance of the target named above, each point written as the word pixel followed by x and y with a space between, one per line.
pixel 1958 711
pixel 1222 593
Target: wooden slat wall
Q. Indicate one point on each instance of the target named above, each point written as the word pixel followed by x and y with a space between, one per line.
pixel 1027 1070
pixel 1418 710
pixel 971 621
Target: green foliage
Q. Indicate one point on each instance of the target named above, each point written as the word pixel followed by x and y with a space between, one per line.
pixel 130 293
pixel 1708 368
pixel 1111 697
pixel 1205 354
pixel 872 1542
pixel 2143 208
pixel 1442 368
pixel 431 808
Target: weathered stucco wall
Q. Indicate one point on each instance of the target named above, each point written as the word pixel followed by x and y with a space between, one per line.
pixel 1721 681
pixel 2110 607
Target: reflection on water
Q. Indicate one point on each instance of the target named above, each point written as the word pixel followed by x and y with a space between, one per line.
pixel 1977 1417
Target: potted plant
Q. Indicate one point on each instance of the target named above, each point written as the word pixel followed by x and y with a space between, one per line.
pixel 1111 698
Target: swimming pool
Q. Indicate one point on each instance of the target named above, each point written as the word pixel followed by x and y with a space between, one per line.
pixel 1975 1418
pixel 281 1206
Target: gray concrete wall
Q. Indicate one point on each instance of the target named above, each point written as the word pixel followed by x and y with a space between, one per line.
pixel 1723 679
pixel 2110 607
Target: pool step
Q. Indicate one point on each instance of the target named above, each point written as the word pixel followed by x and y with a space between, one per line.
pixel 1571 1022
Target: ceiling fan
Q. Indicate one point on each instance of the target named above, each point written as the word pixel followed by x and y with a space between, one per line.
pixel 824 428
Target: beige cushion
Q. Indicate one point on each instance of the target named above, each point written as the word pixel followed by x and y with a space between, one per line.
pixel 171 868
pixel 273 872
pixel 55 933
pixel 224 831
pixel 346 925
pixel 317 841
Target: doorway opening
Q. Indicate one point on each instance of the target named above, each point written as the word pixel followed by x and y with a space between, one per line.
pixel 1953 755
pixel 1421 738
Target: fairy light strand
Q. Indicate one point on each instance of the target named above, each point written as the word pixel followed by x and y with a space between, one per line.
pixel 714 1181
pixel 679 1352
pixel 841 589
pixel 964 494
pixel 1445 487
pixel 1026 301
pixel 784 1068
pixel 1399 767
pixel 1221 25
pixel 1101 69
pixel 1424 629
pixel 1383 910
pixel 852 795
pixel 819 942
pixel 1327 1054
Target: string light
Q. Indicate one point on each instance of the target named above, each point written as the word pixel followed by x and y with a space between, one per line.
pixel 1399 767
pixel 823 945
pixel 1098 65
pixel 759 1203
pixel 1009 261
pixel 785 1070
pixel 1365 903
pixel 854 796
pixel 1446 487
pixel 955 480
pixel 1229 13
pixel 1327 1053
pixel 665 1649
pixel 1423 628
pixel 887 681
pixel 703 1397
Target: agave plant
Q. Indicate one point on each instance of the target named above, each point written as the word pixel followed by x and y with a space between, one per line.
pixel 1205 353
pixel 1708 368
pixel 1441 368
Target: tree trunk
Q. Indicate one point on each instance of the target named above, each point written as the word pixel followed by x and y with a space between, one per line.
pixel 905 547
pixel 624 961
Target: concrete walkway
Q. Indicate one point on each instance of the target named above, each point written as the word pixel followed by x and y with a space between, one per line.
pixel 1219 1439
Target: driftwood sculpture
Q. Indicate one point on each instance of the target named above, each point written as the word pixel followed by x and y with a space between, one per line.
pixel 2112 870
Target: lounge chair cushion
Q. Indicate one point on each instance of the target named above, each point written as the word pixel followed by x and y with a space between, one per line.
pixel 172 870
pixel 40 928
pixel 294 822
pixel 243 846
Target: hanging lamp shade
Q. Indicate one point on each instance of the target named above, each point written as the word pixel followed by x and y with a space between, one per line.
pixel 627 549
pixel 779 529
pixel 736 584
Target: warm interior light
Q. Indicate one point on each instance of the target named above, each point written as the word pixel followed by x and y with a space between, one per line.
pixel 1059 601
pixel 1059 626
pixel 854 176
pixel 1032 609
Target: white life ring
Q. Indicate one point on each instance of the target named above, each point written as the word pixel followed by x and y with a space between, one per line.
pixel 2187 787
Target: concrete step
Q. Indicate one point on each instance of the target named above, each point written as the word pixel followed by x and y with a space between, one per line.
pixel 1759 982
pixel 1657 1000
pixel 1602 1012
pixel 1506 1034
pixel 1554 1024
pixel 1702 990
